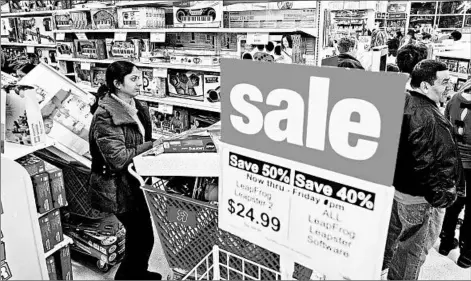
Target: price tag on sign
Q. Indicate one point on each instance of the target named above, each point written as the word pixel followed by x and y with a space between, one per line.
pixel 60 36
pixel 157 37
pixel 81 36
pixel 160 72
pixel 30 49
pixel 257 38
pixel 85 65
pixel 120 36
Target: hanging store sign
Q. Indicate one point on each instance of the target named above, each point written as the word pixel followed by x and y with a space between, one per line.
pixel 307 162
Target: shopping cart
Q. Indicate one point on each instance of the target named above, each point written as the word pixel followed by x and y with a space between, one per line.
pixel 188 230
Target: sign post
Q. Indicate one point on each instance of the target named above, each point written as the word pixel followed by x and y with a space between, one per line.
pixel 308 161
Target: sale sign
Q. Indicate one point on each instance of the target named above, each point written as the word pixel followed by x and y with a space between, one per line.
pixel 308 160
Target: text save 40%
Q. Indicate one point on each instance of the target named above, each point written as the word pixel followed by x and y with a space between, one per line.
pixel 266 221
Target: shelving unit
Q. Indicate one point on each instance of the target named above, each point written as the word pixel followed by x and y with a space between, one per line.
pixel 67 241
pixel 214 107
pixel 15 151
pixel 40 13
pixel 28 44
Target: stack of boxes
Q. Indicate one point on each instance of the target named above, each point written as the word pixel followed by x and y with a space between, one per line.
pixel 50 196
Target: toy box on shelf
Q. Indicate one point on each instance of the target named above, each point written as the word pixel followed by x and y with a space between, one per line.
pixel 64 20
pixel 185 84
pixel 47 55
pixel 90 49
pixel 212 87
pixel 292 18
pixel 128 49
pixel 153 85
pixel 167 120
pixel 9 32
pixel 83 74
pixel 65 49
pixel 97 76
pixel 198 14
pixel 106 18
pixel 35 30
pixel 141 17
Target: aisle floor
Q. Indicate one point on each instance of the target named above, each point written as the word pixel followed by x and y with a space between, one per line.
pixel 437 267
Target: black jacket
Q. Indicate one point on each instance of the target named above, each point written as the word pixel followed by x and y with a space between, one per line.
pixel 345 56
pixel 428 161
pixel 115 140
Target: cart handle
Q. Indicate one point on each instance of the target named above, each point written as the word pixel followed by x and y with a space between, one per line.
pixel 135 174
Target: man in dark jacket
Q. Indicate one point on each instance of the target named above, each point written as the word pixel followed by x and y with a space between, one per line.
pixel 346 47
pixel 427 172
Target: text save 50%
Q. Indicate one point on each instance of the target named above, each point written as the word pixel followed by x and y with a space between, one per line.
pixel 265 220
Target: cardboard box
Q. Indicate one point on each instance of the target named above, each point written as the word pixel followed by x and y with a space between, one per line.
pixel 98 76
pixel 42 192
pixel 141 17
pixel 21 6
pixel 291 18
pixel 36 30
pixel 166 123
pixel 65 264
pixel 56 227
pixel 185 84
pixel 129 49
pixel 32 164
pixel 191 144
pixel 105 18
pixel 51 268
pixel 66 20
pixel 47 56
pixel 212 87
pixel 24 123
pixel 198 14
pixel 45 227
pixel 65 49
pixel 83 76
pixel 152 85
pixel 9 31
pixel 463 67
pixel 90 49
pixel 198 120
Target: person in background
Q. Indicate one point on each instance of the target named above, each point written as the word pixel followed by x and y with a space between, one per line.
pixel 408 39
pixel 458 112
pixel 349 63
pixel 427 173
pixel 392 68
pixel 346 48
pixel 427 41
pixel 120 130
pixel 409 56
pixel 456 35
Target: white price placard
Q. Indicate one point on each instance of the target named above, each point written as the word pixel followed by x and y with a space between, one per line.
pixel 165 108
pixel 160 72
pixel 120 36
pixel 81 36
pixel 258 38
pixel 60 36
pixel 85 65
pixel 30 49
pixel 157 37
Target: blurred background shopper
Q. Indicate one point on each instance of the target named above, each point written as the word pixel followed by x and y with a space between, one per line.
pixel 427 171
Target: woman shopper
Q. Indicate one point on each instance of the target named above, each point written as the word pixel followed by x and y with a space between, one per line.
pixel 121 130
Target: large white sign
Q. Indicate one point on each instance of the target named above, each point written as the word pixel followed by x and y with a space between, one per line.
pixel 306 167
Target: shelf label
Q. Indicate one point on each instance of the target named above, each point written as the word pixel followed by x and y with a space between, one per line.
pixel 257 38
pixel 60 36
pixel 157 37
pixel 81 36
pixel 30 49
pixel 120 36
pixel 85 65
pixel 165 108
pixel 160 72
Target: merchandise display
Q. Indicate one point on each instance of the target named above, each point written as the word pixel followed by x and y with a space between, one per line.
pixel 56 54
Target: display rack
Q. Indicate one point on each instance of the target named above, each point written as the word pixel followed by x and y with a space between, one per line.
pixel 28 44
pixel 15 151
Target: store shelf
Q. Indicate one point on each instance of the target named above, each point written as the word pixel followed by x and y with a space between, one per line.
pixel 88 88
pixel 156 64
pixel 41 13
pixel 82 160
pixel 28 44
pixel 67 241
pixel 15 151
pixel 214 107
pixel 179 164
pixel 458 54
pixel 309 31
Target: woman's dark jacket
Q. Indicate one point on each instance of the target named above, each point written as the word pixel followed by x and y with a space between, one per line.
pixel 115 140
pixel 428 162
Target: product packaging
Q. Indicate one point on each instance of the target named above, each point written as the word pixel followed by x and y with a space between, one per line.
pixel 105 18
pixel 194 60
pixel 98 76
pixel 32 164
pixel 198 14
pixel 42 193
pixel 9 32
pixel 165 123
pixel 212 87
pixel 24 123
pixel 281 19
pixel 45 228
pixel 36 30
pixel 56 183
pixel 51 268
pixel 128 49
pixel 185 84
pixel 65 49
pixel 56 227
pixel 90 49
pixel 198 119
pixel 47 56
pixel 83 76
pixel 190 144
pixel 152 85
pixel 17 6
pixel 141 17
pixel 65 268
pixel 45 5
pixel 463 67
pixel 66 20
